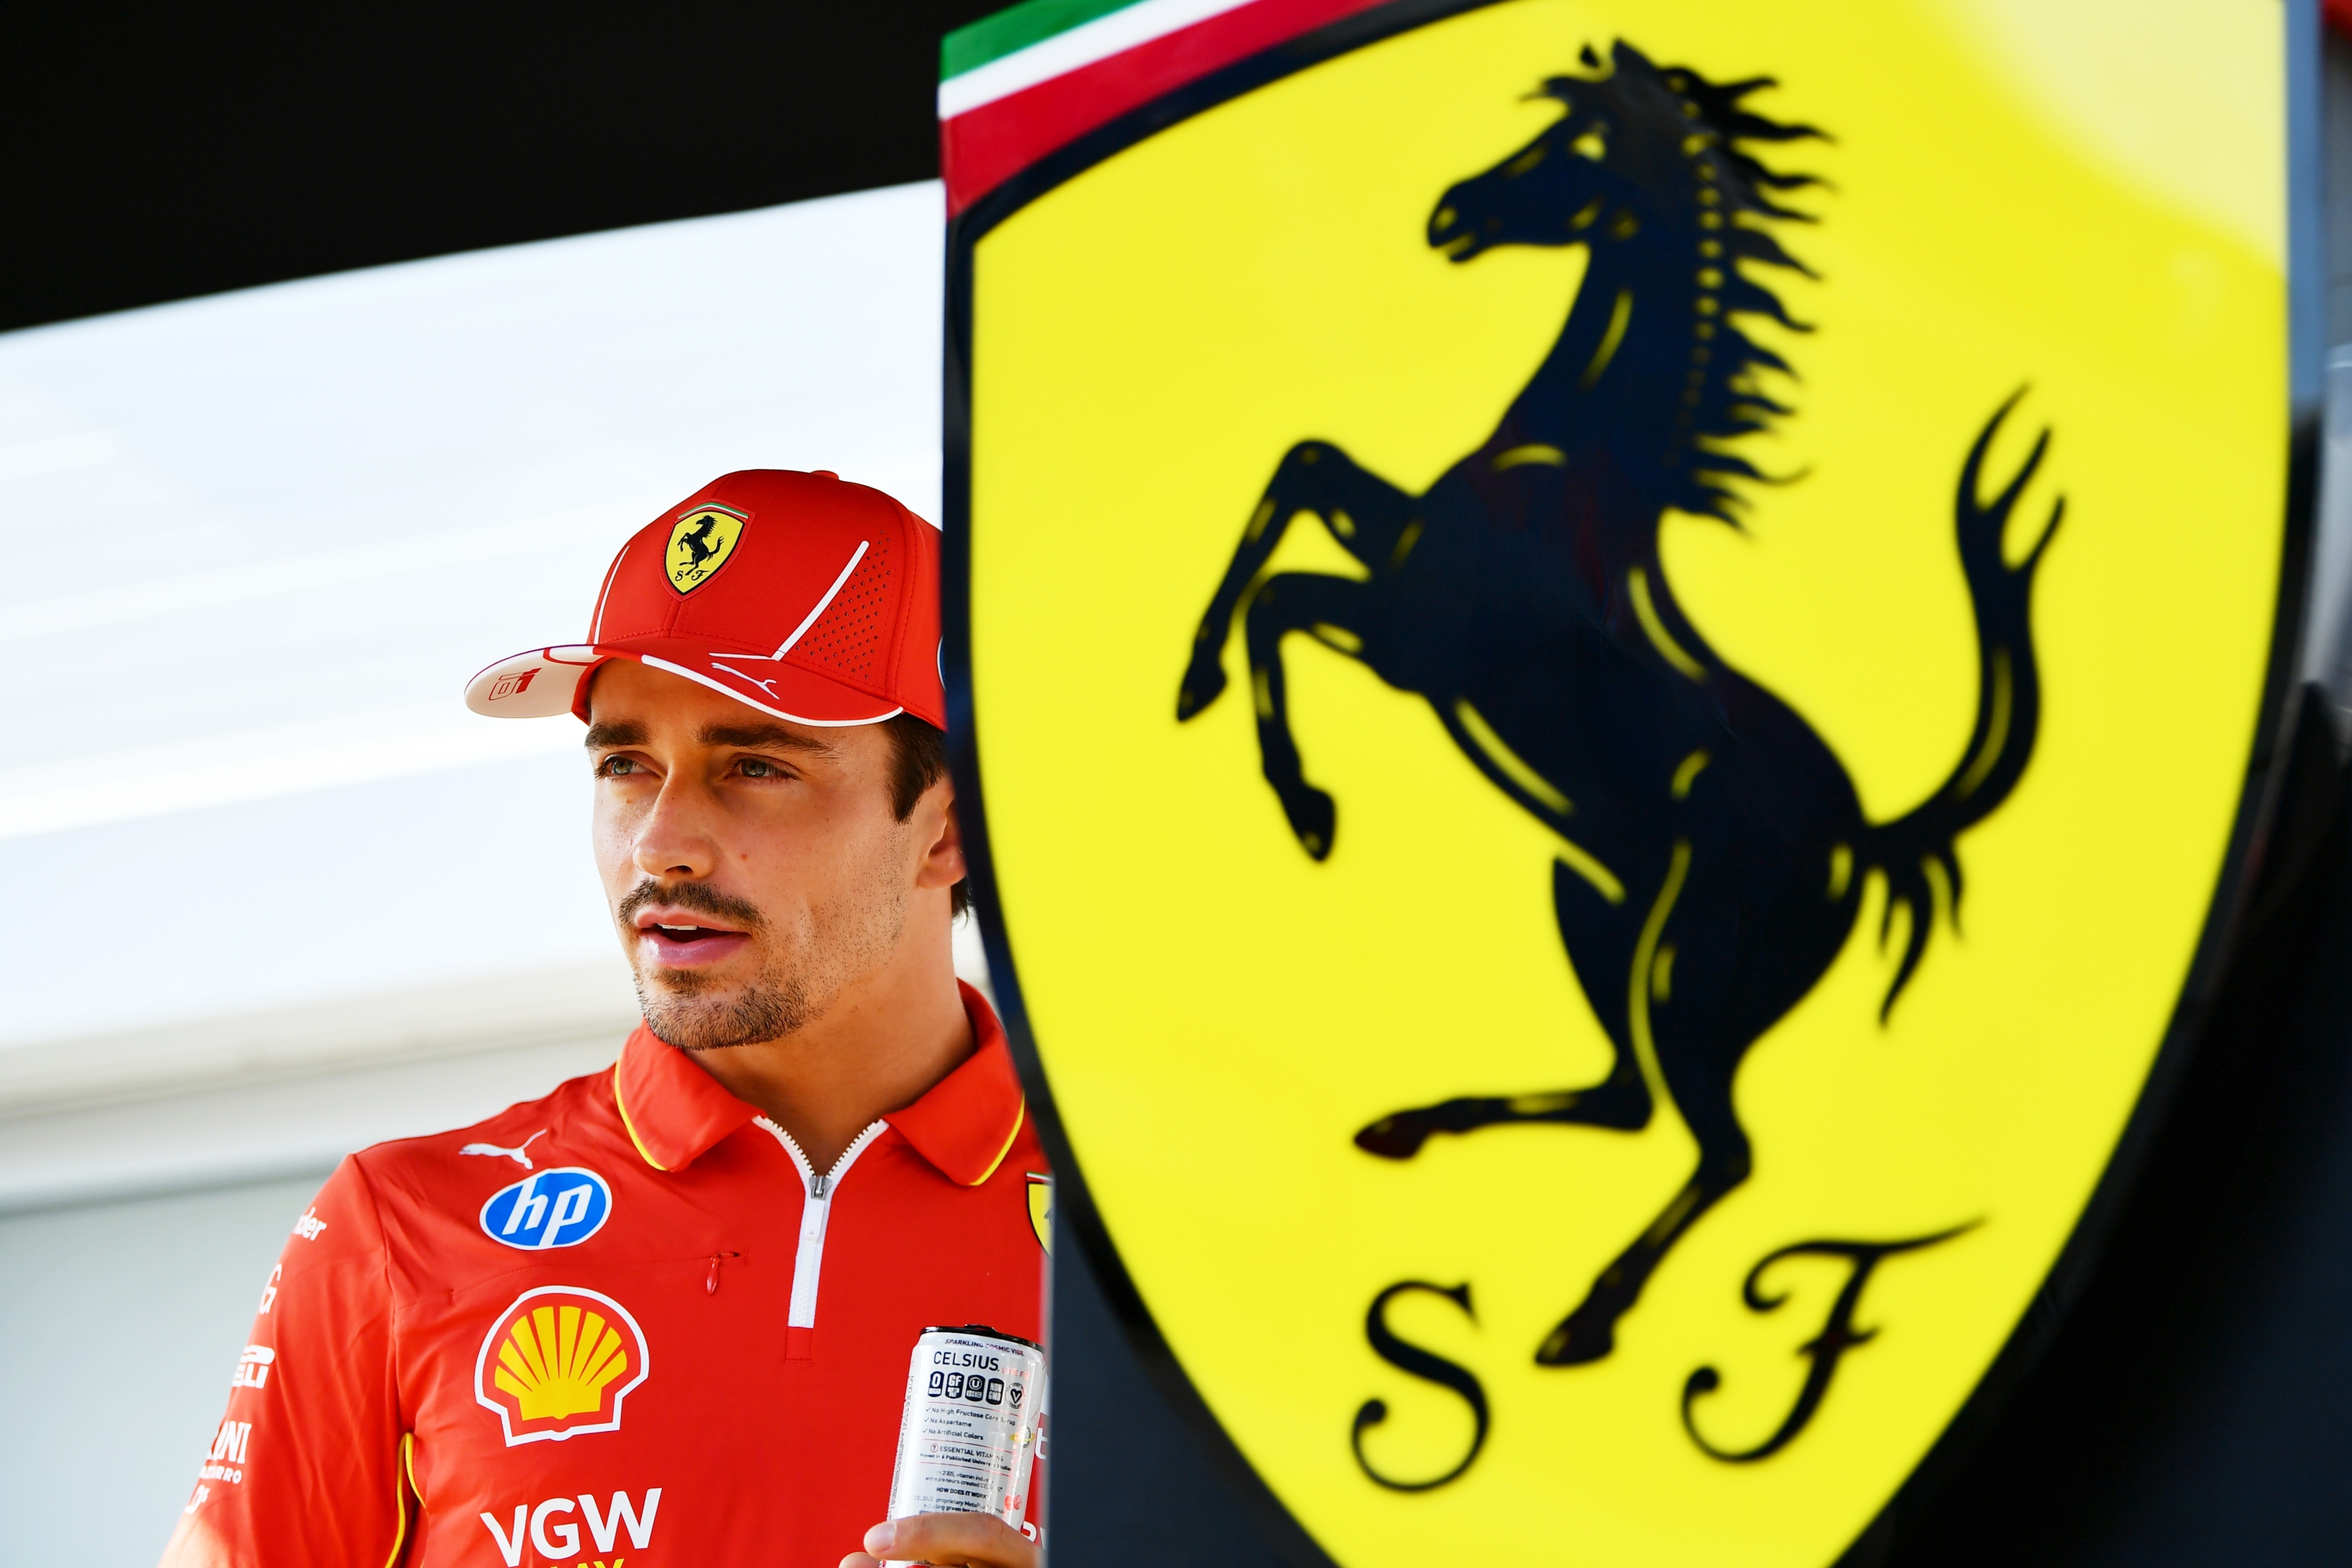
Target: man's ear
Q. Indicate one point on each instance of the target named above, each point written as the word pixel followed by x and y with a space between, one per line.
pixel 943 863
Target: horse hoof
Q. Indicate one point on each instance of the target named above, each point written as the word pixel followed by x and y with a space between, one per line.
pixel 1314 817
pixel 1201 688
pixel 1576 1345
pixel 1393 1137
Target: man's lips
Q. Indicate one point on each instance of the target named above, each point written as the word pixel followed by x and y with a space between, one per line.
pixel 676 939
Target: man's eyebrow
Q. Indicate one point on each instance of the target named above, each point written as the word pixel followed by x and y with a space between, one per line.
pixel 620 734
pixel 761 737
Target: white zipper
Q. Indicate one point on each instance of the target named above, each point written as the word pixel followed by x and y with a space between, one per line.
pixel 808 1262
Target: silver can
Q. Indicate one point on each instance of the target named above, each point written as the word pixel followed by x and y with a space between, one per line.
pixel 969 1433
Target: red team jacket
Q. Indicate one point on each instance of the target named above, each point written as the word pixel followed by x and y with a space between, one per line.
pixel 623 1324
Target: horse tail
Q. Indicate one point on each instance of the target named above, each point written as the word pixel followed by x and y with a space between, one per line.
pixel 1915 851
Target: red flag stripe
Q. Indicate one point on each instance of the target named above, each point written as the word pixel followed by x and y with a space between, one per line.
pixel 983 147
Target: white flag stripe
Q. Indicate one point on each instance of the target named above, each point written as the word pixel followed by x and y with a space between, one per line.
pixel 1065 52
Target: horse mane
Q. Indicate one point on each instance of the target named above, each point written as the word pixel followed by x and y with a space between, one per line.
pixel 1671 118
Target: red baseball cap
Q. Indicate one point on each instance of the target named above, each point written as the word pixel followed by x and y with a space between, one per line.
pixel 799 594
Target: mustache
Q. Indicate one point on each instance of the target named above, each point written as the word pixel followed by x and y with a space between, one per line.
pixel 691 896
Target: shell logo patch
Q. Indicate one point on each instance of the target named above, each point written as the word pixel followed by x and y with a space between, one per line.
pixel 558 1362
pixel 700 544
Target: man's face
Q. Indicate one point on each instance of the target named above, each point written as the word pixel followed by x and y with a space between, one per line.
pixel 755 866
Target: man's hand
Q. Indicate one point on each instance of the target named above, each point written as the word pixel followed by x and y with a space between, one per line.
pixel 948 1540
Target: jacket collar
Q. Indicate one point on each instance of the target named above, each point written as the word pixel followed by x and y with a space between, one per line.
pixel 964 1124
pixel 671 1109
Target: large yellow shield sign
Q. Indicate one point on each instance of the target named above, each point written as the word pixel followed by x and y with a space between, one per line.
pixel 1608 653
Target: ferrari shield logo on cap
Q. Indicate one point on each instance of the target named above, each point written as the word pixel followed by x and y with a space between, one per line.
pixel 700 544
pixel 1688 590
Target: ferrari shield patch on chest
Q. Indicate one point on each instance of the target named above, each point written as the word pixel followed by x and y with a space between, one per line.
pixel 700 544
pixel 1687 591
pixel 1041 1209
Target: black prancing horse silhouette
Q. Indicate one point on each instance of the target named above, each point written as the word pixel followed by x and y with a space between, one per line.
pixel 1713 849
pixel 699 546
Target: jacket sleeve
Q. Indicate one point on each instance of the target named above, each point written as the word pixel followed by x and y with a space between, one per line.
pixel 307 1469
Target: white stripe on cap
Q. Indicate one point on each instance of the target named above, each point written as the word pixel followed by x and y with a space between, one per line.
pixel 801 631
pixel 702 680
pixel 596 626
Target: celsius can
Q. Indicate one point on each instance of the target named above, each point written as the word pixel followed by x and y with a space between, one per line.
pixel 969 1428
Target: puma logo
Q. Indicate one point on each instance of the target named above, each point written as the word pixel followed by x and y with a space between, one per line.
pixel 515 1153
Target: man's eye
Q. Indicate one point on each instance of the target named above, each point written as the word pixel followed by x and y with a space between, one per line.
pixel 754 768
pixel 615 767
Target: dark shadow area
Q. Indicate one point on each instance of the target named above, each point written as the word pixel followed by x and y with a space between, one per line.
pixel 1130 1485
pixel 2195 1407
pixel 152 153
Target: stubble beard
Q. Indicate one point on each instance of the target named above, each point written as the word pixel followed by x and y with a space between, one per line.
pixel 802 972
pixel 680 1009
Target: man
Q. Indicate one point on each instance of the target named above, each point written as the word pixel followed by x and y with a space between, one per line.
pixel 665 1314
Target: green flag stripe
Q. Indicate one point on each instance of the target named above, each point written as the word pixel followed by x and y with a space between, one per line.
pixel 1017 28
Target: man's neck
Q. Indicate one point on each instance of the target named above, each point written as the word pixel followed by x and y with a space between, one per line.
pixel 880 1046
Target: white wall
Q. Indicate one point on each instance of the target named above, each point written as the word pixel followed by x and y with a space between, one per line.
pixel 280 894
pixel 252 546
pixel 119 1326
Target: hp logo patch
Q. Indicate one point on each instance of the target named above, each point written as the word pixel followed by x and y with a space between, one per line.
pixel 549 1208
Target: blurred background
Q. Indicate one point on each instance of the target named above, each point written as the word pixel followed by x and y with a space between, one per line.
pixel 339 351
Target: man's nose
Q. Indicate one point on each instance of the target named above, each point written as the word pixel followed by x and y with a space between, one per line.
pixel 673 839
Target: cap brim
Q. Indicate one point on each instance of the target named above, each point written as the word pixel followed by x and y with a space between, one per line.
pixel 544 682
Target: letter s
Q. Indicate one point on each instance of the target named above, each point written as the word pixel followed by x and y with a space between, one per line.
pixel 570 1543
pixel 1423 1365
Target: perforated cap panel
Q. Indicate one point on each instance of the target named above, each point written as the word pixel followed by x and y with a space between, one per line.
pixel 847 640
